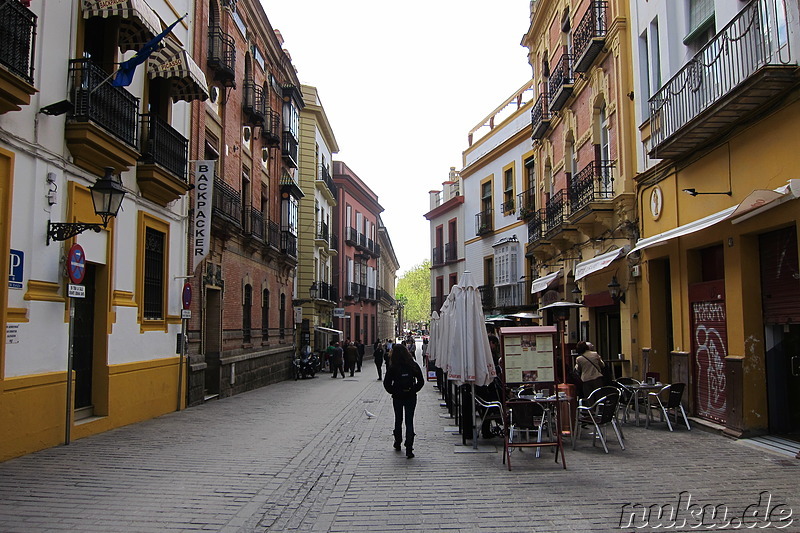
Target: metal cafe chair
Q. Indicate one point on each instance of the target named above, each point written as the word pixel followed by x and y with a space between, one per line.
pixel 526 416
pixel 666 399
pixel 628 391
pixel 488 410
pixel 601 414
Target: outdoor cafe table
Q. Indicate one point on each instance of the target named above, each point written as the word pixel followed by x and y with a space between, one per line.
pixel 551 406
pixel 640 391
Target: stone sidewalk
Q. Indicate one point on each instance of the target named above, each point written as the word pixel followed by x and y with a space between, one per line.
pixel 303 456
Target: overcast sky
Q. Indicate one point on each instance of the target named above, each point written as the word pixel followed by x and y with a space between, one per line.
pixel 402 84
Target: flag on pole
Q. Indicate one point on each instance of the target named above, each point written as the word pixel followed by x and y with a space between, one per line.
pixel 127 68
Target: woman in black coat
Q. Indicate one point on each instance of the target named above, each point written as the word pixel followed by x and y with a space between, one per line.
pixel 403 381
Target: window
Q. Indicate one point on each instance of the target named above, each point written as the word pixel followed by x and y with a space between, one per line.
pixel 153 275
pixel 486 196
pixel 655 56
pixel 508 190
pixel 247 309
pixel 644 75
pixel 152 272
pixel 265 314
pixel 506 270
pixel 282 317
pixel 701 24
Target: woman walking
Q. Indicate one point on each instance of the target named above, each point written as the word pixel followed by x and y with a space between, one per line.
pixel 403 381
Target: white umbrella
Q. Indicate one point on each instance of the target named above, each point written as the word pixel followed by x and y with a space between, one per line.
pixel 443 344
pixel 433 337
pixel 470 359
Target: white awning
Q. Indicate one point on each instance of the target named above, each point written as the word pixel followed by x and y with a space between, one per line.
pixel 329 330
pixel 173 62
pixel 596 264
pixel 754 203
pixel 138 22
pixel 540 284
pixel 525 314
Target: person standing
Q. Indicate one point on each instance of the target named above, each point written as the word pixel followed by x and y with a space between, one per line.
pixel 589 365
pixel 412 347
pixel 425 354
pixel 361 350
pixel 350 357
pixel 337 359
pixel 403 381
pixel 377 353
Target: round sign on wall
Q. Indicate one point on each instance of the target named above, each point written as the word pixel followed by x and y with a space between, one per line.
pixel 187 295
pixel 76 264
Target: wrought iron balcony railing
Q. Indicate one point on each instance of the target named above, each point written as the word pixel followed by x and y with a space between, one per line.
pixel 271 130
pixel 509 295
pixel 253 102
pixel 226 203
pixel 484 222
pixel 334 242
pixel 540 117
pixel 560 82
pixel 326 291
pixel 507 206
pixel 254 223
pixel 437 256
pixel 289 149
pixel 593 183
pixel 18 42
pixel 322 232
pixel 274 234
pixel 221 56
pixel 112 108
pixel 734 74
pixel 536 227
pixel 556 211
pixel 450 252
pixel 590 35
pixel 325 176
pixel 351 236
pixel 526 201
pixel 164 146
pixel 487 296
pixel 289 243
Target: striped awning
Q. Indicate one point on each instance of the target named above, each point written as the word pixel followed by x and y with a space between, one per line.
pixel 173 62
pixel 138 22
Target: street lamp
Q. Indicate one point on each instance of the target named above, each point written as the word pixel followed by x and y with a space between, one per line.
pixel 615 291
pixel 312 291
pixel 107 195
pixel 561 312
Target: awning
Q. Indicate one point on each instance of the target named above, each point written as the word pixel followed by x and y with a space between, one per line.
pixel 329 330
pixel 138 22
pixel 187 80
pixel 497 318
pixel 525 314
pixel 542 283
pixel 754 203
pixel 596 264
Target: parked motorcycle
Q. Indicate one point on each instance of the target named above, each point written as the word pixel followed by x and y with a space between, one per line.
pixel 305 365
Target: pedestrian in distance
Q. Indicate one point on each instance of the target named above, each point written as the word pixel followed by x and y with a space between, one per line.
pixel 589 365
pixel 378 353
pixel 412 347
pixel 403 381
pixel 337 360
pixel 361 350
pixel 425 354
pixel 350 357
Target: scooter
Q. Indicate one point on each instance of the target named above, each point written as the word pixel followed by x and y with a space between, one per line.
pixel 305 365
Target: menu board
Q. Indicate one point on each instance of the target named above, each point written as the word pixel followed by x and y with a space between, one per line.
pixel 528 355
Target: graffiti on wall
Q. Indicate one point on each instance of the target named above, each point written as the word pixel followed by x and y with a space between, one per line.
pixel 710 350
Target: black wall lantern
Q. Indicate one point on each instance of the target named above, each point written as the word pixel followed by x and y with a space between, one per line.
pixel 312 291
pixel 614 290
pixel 107 195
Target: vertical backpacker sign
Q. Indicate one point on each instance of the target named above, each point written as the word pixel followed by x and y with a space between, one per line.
pixel 203 192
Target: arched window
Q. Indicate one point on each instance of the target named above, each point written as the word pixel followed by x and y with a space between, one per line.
pixel 247 310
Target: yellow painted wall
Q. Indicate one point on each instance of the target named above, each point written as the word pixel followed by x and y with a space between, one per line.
pixel 36 405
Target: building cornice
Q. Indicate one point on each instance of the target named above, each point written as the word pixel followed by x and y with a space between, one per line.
pixel 449 205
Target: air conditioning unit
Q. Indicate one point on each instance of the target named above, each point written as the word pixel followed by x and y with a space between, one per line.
pixel 247 134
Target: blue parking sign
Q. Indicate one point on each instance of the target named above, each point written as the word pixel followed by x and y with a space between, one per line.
pixel 15 267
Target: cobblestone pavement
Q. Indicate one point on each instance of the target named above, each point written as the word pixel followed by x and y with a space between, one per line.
pixel 303 456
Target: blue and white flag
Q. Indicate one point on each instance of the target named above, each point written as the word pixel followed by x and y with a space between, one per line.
pixel 127 68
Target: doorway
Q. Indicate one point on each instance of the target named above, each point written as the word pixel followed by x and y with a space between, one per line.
pixel 213 340
pixel 783 379
pixel 83 344
pixel 609 337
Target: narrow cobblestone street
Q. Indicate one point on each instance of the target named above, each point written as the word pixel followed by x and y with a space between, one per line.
pixel 303 456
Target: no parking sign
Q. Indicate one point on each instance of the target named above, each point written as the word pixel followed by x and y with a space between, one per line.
pixel 76 264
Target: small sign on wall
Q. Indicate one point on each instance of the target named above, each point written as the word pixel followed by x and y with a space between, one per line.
pixel 16 262
pixel 12 333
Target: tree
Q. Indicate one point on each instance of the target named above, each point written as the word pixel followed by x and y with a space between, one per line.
pixel 414 290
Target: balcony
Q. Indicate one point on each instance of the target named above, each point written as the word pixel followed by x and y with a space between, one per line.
pixel 322 236
pixel 362 242
pixel 512 295
pixel 351 236
pixel 487 296
pixel 743 69
pixel 161 173
pixel 540 117
pixel 326 291
pixel 450 252
pixel 555 212
pixel 527 203
pixel 484 222
pixel 536 226
pixel 594 183
pixel 436 303
pixel 325 183
pixel 289 149
pixel 334 243
pixel 253 223
pixel 271 130
pixel 221 56
pixel 386 298
pixel 560 83
pixel 17 49
pixel 253 103
pixel 226 206
pixel 102 129
pixel 437 256
pixel 357 289
pixel 590 36
pixel 273 235
pixel 507 206
pixel 289 243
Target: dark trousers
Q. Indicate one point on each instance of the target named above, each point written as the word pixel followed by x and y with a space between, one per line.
pixel 379 365
pixel 335 368
pixel 404 405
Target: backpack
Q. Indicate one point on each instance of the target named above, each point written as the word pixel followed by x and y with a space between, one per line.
pixel 405 381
